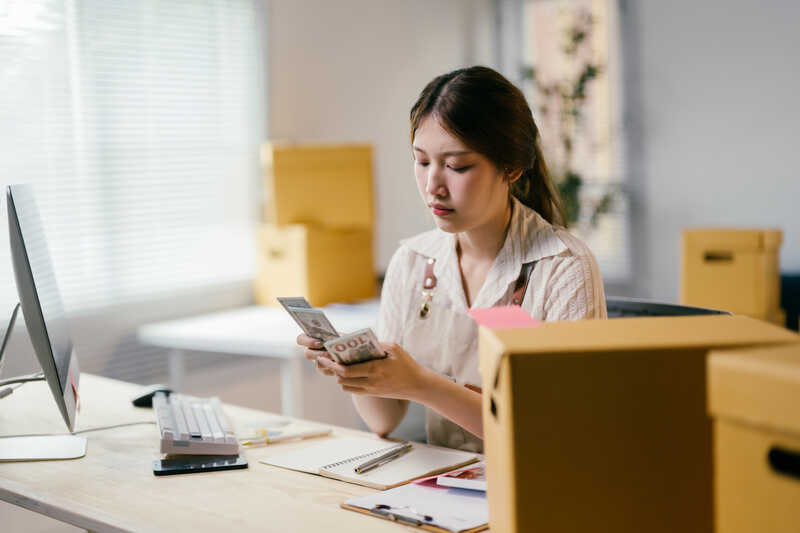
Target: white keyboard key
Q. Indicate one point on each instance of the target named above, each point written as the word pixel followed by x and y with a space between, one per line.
pixel 191 421
pixel 216 430
pixel 223 420
pixel 200 415
pixel 180 422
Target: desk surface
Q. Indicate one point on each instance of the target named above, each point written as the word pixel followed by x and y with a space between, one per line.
pixel 255 330
pixel 113 487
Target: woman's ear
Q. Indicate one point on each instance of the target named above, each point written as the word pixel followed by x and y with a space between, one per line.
pixel 513 175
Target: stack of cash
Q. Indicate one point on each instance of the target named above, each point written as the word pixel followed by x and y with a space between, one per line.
pixel 352 348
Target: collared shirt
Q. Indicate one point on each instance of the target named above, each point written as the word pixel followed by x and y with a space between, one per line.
pixel 565 285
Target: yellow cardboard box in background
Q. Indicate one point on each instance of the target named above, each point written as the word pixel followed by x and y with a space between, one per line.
pixel 323 265
pixel 317 237
pixel 601 425
pixel 754 398
pixel 327 185
pixel 733 270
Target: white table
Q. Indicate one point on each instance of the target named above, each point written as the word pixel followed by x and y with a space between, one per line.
pixel 256 331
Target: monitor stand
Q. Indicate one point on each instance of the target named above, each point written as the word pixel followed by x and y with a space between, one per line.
pixel 41 448
pixel 34 447
pixel 38 447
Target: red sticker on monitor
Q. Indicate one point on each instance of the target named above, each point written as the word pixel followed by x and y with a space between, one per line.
pixel 75 392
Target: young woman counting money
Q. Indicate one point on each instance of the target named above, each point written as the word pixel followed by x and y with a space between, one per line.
pixel 499 241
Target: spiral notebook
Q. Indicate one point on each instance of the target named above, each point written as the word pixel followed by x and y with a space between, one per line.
pixel 337 458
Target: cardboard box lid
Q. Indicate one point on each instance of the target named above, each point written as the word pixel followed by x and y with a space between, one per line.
pixel 630 334
pixel 758 386
pixel 733 239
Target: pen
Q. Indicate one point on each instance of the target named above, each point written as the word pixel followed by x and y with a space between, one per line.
pixel 269 436
pixel 392 454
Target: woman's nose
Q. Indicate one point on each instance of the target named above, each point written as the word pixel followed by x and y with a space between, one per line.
pixel 435 184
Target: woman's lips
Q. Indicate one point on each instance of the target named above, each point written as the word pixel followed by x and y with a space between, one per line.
pixel 440 210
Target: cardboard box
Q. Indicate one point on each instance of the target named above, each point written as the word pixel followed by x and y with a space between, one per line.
pixel 754 398
pixel 732 270
pixel 601 425
pixel 323 265
pixel 776 316
pixel 325 185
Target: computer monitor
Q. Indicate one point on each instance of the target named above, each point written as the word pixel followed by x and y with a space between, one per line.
pixel 41 305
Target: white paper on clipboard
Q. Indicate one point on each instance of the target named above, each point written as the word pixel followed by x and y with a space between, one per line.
pixel 449 508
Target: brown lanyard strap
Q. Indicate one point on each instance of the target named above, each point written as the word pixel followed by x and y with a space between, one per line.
pixel 522 283
pixel 430 279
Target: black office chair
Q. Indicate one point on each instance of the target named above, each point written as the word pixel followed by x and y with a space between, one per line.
pixel 632 307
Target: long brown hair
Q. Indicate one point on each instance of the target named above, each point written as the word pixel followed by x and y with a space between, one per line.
pixel 491 116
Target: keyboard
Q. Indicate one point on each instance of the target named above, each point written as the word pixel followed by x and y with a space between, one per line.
pixel 196 426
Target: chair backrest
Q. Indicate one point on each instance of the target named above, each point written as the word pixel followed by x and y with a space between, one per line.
pixel 630 307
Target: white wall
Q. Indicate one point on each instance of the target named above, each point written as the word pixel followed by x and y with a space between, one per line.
pixel 713 125
pixel 350 70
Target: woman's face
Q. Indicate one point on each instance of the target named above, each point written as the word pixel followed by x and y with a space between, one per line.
pixel 462 188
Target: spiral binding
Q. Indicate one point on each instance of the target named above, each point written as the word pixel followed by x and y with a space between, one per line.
pixel 359 457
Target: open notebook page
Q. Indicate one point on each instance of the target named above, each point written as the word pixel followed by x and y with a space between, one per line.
pixel 336 458
pixel 419 462
pixel 312 458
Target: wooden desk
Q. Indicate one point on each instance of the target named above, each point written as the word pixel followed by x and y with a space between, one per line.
pixel 113 487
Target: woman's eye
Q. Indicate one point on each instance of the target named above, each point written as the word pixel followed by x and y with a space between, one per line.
pixel 422 163
pixel 461 169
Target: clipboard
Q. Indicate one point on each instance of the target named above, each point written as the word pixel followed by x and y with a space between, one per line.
pixel 419 503
pixel 407 520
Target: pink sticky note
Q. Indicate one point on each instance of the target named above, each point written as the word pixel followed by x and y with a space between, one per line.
pixel 503 317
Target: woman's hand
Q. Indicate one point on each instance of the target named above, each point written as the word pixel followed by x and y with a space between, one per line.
pixel 314 351
pixel 397 376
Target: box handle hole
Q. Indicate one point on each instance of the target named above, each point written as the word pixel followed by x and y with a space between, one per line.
pixel 718 257
pixel 275 254
pixel 783 461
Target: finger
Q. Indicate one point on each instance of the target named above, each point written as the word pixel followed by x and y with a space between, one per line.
pixel 354 390
pixel 313 355
pixel 309 342
pixel 324 371
pixel 332 365
pixel 358 370
pixel 362 383
pixel 389 347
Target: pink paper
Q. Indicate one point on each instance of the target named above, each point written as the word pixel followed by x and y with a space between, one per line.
pixel 503 317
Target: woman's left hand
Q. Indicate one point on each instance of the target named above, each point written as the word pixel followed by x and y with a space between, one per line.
pixel 397 376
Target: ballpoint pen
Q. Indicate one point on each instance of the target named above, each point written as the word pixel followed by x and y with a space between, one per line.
pixel 392 454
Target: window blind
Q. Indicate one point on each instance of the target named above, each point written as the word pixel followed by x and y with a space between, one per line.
pixel 138 123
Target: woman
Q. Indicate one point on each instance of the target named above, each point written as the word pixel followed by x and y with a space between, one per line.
pixel 499 241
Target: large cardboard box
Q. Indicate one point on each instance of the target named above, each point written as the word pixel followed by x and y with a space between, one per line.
pixel 733 270
pixel 322 184
pixel 601 425
pixel 321 264
pixel 754 398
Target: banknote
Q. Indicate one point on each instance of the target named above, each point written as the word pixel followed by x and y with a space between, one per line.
pixel 313 322
pixel 356 347
pixel 294 301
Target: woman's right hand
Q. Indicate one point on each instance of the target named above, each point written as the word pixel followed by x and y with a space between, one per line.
pixel 313 351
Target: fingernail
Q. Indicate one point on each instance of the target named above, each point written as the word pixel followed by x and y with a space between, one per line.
pixel 317 344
